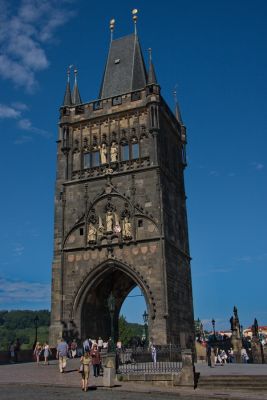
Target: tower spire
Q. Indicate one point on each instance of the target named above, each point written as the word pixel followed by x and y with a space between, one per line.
pixel 151 72
pixel 76 98
pixel 111 27
pixel 177 108
pixel 135 17
pixel 67 96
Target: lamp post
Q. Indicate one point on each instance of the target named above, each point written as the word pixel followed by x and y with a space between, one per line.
pixel 145 318
pixel 36 322
pixel 111 307
pixel 213 325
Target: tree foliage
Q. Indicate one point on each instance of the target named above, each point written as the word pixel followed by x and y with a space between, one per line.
pixel 128 331
pixel 20 324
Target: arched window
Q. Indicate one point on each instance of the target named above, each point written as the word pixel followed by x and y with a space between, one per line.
pixel 86 160
pixel 125 154
pixel 95 159
pixel 135 150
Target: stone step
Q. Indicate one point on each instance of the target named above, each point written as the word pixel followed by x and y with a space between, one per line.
pixel 238 382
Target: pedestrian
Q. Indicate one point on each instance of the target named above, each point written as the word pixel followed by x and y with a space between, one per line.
pixel 87 345
pixel 47 353
pixel 37 352
pixel 210 356
pixel 73 348
pixel 85 370
pixel 100 343
pixel 231 356
pixel 96 360
pixel 12 352
pixel 17 349
pixel 62 352
pixel 244 355
pixel 223 356
pixel 154 353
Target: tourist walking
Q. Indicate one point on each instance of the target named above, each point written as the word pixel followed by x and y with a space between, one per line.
pixel 96 360
pixel 85 370
pixel 244 355
pixel 154 353
pixel 62 352
pixel 73 348
pixel 100 343
pixel 87 345
pixel 47 353
pixel 37 352
pixel 12 352
pixel 17 349
pixel 210 356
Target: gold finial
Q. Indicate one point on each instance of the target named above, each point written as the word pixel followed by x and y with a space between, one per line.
pixel 75 73
pixel 111 27
pixel 135 16
pixel 68 72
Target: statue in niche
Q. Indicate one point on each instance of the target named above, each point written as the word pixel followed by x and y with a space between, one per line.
pixel 109 221
pixel 117 227
pixel 103 153
pixel 114 152
pixel 126 228
pixel 91 233
pixel 101 228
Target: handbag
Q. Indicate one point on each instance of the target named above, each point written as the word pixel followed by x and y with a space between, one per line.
pixel 81 369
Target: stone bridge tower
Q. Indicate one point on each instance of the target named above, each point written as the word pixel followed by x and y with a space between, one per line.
pixel 120 205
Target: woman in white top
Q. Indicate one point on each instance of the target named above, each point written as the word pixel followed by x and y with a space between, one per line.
pixel 46 353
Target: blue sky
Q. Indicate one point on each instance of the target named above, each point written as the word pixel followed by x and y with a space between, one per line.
pixel 216 54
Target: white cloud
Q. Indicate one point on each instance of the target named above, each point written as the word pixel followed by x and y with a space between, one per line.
pixel 20 106
pixel 8 112
pixel 18 249
pixel 23 31
pixel 214 173
pixel 257 165
pixel 26 125
pixel 23 292
pixel 23 139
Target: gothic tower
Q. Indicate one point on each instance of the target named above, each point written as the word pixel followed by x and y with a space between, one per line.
pixel 120 205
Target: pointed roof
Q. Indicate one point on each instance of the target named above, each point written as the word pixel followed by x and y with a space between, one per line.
pixel 151 72
pixel 67 96
pixel 125 69
pixel 76 98
pixel 178 114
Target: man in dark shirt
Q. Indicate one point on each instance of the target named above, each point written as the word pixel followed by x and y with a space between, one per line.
pixel 62 352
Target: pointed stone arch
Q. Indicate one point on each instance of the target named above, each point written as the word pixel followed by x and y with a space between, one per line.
pixel 90 299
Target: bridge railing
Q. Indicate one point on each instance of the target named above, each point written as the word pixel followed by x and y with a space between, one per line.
pixel 166 359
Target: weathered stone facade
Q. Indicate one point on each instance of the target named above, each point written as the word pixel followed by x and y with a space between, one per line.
pixel 120 216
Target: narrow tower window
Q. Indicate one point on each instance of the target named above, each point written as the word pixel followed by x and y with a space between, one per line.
pixel 135 150
pixel 86 160
pixel 125 152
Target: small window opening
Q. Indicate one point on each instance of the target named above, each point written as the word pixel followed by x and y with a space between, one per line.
pixel 81 231
pixel 140 223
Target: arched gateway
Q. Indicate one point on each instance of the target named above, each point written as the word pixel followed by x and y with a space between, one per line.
pixel 90 306
pixel 120 208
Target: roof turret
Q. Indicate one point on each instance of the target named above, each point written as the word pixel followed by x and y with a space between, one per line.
pixel 151 72
pixel 67 96
pixel 76 98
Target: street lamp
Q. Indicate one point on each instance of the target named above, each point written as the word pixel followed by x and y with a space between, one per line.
pixel 213 325
pixel 111 307
pixel 36 322
pixel 145 318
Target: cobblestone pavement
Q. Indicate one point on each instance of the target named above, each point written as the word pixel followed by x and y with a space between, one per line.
pixel 34 392
pixel 24 381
